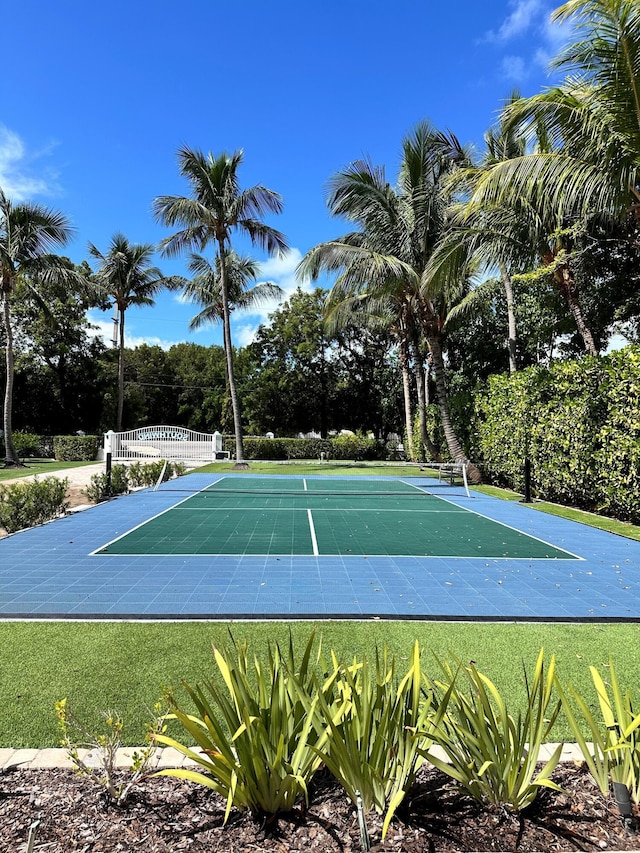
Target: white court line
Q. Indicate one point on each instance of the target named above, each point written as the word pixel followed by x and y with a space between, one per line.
pixel 304 484
pixel 459 511
pixel 312 530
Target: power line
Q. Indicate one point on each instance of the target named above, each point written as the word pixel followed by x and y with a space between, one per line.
pixel 168 385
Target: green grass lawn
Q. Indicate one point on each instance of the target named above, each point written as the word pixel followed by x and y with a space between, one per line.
pixel 123 666
pixel 354 469
pixel 41 467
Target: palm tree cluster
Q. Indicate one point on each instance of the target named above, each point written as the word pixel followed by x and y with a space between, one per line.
pixel 559 177
pixel 560 165
pixel 125 275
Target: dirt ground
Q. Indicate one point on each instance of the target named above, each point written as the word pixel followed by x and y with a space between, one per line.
pixel 167 815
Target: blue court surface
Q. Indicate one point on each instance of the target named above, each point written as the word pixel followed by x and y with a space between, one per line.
pixel 64 569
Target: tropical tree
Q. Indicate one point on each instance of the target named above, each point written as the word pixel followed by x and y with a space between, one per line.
pixel 592 122
pixel 216 208
pixel 28 233
pixel 125 278
pixel 56 348
pixel 205 288
pixel 398 229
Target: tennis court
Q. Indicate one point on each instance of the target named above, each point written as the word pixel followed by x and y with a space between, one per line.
pixel 241 547
pixel 323 517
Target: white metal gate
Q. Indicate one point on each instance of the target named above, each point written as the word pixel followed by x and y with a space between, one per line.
pixel 177 444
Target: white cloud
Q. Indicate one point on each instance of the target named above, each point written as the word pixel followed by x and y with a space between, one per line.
pixel 16 178
pixel 104 330
pixel 524 13
pixel 514 68
pixel 245 334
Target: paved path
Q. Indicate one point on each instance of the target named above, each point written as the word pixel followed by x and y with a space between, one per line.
pixel 80 476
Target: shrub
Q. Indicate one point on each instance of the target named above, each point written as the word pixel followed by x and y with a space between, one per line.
pixel 281 448
pixel 24 505
pixel 99 488
pixel 357 447
pixel 75 448
pixel 374 730
pixel 116 782
pixel 613 750
pixel 255 729
pixel 26 444
pixel 576 422
pixel 491 754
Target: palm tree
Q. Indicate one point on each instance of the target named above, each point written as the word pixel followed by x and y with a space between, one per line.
pixel 388 256
pixel 28 233
pixel 205 289
pixel 126 278
pixel 217 207
pixel 513 232
pixel 592 121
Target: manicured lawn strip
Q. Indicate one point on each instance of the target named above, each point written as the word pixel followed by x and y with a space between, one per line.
pixel 353 469
pixel 123 666
pixel 41 467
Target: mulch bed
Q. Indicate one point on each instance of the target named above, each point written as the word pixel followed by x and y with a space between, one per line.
pixel 167 814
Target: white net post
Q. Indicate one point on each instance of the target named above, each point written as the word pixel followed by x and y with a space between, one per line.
pixel 217 444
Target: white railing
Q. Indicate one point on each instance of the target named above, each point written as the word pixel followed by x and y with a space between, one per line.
pixel 177 444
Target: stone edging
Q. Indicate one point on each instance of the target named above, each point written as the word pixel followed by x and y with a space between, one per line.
pixel 54 758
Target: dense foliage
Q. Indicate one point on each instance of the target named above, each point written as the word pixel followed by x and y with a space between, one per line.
pixel 577 423
pixel 24 505
pixel 75 448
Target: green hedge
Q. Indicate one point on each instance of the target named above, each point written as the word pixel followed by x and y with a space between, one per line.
pixel 75 448
pixel 24 505
pixel 280 448
pixel 28 445
pixel 352 447
pixel 579 424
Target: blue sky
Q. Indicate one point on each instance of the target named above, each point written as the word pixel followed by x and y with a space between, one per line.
pixel 96 98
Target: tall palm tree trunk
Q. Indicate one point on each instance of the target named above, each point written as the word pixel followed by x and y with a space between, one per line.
pixel 120 372
pixel 406 388
pixel 428 448
pixel 453 442
pixel 226 326
pixel 11 459
pixel 570 290
pixel 511 317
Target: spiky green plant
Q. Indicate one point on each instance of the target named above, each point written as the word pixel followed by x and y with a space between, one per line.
pixel 613 750
pixel 374 728
pixel 489 753
pixel 255 728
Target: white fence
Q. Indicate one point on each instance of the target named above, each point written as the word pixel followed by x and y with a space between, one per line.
pixel 176 444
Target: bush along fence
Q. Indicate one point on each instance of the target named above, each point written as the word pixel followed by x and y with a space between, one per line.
pixel 356 448
pixel 123 478
pixel 256 734
pixel 578 424
pixel 64 448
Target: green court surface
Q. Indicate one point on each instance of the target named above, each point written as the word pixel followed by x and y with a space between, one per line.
pixel 325 517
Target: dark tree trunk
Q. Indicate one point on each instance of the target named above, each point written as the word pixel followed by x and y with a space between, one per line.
pixel 11 459
pixel 570 290
pixel 228 348
pixel 453 442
